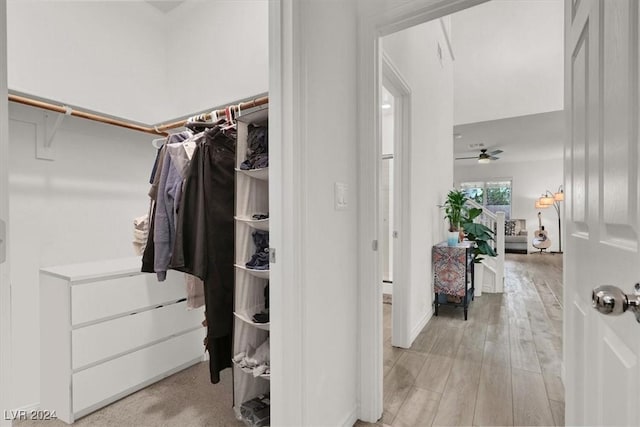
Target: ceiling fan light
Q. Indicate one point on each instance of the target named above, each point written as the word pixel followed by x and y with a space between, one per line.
pixel 484 160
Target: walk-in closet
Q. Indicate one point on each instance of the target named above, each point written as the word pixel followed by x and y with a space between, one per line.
pixel 139 213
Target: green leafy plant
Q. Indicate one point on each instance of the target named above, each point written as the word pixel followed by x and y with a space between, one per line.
pixel 454 208
pixel 461 217
pixel 478 233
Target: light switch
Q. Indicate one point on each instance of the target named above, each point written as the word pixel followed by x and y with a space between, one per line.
pixel 340 196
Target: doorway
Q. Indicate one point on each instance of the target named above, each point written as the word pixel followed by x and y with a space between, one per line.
pixel 394 186
pixel 381 25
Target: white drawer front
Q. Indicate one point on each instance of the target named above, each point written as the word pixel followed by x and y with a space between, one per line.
pixel 109 381
pixel 106 339
pixel 105 298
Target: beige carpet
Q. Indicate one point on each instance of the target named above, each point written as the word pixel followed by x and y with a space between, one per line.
pixel 184 399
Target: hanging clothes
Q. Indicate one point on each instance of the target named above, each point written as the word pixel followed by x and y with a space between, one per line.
pixel 148 256
pixel 204 242
pixel 174 168
pixel 140 233
pixel 195 291
pixel 181 154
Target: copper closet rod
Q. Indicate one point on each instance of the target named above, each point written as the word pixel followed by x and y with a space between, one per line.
pixel 155 130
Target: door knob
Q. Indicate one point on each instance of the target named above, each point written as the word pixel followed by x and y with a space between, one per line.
pixel 609 299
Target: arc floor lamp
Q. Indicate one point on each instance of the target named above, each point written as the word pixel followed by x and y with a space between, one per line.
pixel 553 199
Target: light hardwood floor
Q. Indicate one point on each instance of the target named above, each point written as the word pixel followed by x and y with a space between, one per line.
pixel 501 367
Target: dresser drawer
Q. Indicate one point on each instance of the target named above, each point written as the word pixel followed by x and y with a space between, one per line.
pixel 105 383
pixel 101 299
pixel 114 337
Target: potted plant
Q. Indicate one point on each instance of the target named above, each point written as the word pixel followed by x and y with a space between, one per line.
pixel 454 208
pixel 461 225
pixel 481 235
pixel 478 233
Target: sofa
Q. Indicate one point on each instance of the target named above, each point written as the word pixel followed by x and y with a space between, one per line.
pixel 516 238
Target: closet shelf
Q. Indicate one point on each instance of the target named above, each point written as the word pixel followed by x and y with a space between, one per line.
pixel 260 274
pixel 259 115
pixel 258 224
pixel 251 285
pixel 244 316
pixel 250 371
pixel 261 174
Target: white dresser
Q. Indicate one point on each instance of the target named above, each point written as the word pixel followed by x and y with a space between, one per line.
pixel 108 330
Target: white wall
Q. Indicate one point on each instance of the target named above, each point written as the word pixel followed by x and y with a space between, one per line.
pixel 530 180
pixel 128 59
pixel 99 55
pixel 219 55
pixel 509 59
pixel 77 208
pixel 328 148
pixel 415 54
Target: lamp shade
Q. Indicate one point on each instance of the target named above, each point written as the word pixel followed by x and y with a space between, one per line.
pixel 540 205
pixel 559 196
pixel 546 200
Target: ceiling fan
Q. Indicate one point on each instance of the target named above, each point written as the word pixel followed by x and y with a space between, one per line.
pixel 483 157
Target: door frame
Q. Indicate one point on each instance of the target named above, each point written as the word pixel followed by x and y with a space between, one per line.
pixel 381 22
pixel 396 85
pixel 5 286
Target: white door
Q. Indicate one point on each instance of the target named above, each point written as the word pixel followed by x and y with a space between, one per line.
pixel 602 377
pixel 401 220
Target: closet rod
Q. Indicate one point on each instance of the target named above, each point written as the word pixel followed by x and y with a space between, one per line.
pixel 220 113
pixel 155 130
pixel 84 115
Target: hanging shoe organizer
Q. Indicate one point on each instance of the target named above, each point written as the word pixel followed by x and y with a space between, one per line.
pixel 251 304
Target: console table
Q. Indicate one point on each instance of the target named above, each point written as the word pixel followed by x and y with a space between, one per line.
pixel 453 269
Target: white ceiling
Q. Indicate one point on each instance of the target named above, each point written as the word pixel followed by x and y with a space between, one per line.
pixel 509 59
pixel 165 6
pixel 508 79
pixel 525 138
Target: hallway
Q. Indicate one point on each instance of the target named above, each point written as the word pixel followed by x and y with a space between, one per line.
pixel 501 367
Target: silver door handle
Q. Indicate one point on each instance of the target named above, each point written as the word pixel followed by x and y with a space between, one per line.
pixel 609 299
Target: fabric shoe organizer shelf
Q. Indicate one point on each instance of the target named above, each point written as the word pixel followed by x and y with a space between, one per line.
pixel 252 197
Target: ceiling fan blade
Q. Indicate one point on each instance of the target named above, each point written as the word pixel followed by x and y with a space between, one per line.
pixel 465 158
pixel 494 158
pixel 493 153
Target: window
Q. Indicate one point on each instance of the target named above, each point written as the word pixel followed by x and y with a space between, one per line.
pixel 494 196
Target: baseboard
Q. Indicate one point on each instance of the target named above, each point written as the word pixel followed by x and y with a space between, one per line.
pixel 420 326
pixel 350 419
pixel 22 413
pixel 387 288
pixel 32 407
